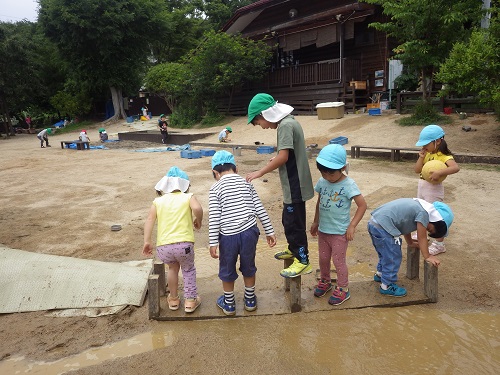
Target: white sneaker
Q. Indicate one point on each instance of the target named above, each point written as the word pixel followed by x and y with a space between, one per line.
pixel 436 248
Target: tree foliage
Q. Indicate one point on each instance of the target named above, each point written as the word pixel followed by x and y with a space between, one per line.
pixel 427 30
pixel 169 81
pixel 106 42
pixel 473 67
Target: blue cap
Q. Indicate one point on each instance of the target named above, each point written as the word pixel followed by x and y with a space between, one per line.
pixel 177 172
pixel 332 156
pixel 445 212
pixel 222 157
pixel 429 134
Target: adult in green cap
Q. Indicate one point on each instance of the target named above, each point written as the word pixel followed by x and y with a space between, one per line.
pixel 295 177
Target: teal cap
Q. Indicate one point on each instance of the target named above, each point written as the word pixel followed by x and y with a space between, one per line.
pixel 222 157
pixel 332 156
pixel 445 212
pixel 177 172
pixel 429 134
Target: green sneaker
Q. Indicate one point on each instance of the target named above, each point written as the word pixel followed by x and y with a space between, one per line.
pixel 284 254
pixel 296 269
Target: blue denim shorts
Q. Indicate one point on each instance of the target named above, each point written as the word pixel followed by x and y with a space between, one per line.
pixel 243 245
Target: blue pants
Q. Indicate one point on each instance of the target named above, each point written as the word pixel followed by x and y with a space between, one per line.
pixel 243 244
pixel 389 253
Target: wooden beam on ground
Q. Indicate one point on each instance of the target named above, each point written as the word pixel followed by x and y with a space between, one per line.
pixel 431 281
pixel 412 262
pixel 159 269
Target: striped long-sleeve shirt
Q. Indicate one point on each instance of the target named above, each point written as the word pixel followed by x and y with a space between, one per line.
pixel 234 206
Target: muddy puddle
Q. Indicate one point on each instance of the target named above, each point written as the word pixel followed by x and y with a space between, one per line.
pixel 414 339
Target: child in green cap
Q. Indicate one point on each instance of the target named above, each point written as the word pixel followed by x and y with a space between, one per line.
pixel 43 136
pixel 295 176
pixel 162 124
pixel 224 134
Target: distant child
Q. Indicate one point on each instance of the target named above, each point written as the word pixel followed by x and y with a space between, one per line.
pixel 177 212
pixel 84 136
pixel 401 217
pixel 234 207
pixel 145 113
pixel 224 134
pixel 434 147
pixel 332 223
pixel 44 136
pixel 295 176
pixel 103 135
pixel 162 125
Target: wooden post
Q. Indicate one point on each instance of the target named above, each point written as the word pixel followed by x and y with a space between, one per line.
pixel 431 281
pixel 294 286
pixel 412 262
pixel 154 297
pixel 159 269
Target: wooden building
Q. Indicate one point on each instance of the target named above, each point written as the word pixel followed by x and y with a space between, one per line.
pixel 323 51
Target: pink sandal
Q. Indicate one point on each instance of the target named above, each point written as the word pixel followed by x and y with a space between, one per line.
pixel 173 302
pixel 191 304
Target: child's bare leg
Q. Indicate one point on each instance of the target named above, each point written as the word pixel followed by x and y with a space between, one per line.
pixel 228 286
pixel 173 279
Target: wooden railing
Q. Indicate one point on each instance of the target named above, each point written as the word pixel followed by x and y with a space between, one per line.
pixel 312 74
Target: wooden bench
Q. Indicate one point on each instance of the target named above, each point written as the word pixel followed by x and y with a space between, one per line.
pixel 395 151
pixel 80 145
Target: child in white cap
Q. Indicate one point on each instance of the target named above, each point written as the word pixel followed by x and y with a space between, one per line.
pixel 401 217
pixel 332 223
pixel 295 176
pixel 234 207
pixel 434 147
pixel 177 212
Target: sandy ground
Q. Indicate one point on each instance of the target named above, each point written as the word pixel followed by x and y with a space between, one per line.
pixel 63 202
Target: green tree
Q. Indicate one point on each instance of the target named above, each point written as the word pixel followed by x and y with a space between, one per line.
pixel 473 67
pixel 427 30
pixel 168 81
pixel 106 42
pixel 222 62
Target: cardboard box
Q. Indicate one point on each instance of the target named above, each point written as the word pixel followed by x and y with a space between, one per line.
pixel 358 85
pixel 330 110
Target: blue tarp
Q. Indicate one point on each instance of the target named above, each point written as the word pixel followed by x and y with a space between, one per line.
pixel 168 148
pixel 59 124
pixel 73 146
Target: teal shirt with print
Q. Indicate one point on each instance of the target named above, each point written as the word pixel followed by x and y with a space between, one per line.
pixel 335 204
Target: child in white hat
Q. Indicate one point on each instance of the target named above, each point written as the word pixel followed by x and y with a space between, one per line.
pixel 177 212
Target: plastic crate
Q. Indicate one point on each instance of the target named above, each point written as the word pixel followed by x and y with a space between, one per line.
pixel 190 154
pixel 207 152
pixel 374 112
pixel 339 141
pixel 265 149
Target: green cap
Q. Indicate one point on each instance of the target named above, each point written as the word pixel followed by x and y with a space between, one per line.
pixel 259 103
pixel 229 129
pixel 101 130
pixel 49 130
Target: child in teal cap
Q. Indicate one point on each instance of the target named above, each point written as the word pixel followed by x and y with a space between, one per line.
pixel 234 207
pixel 332 223
pixel 434 147
pixel 177 213
pixel 44 136
pixel 295 177
pixel 399 218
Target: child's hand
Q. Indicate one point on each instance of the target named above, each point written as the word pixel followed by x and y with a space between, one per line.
pixel 314 229
pixel 422 153
pixel 349 234
pixel 147 249
pixel 253 175
pixel 213 252
pixel 271 240
pixel 433 260
pixel 196 223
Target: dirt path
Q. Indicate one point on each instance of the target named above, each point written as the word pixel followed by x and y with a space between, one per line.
pixel 63 202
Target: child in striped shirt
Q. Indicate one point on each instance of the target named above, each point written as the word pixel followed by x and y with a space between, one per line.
pixel 234 207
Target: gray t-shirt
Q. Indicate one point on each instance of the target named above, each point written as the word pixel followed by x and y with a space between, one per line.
pixel 400 216
pixel 295 174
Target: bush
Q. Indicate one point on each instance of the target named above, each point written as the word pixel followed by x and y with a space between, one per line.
pixel 424 114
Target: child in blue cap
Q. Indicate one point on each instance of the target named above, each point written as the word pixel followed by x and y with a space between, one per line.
pixel 234 207
pixel 401 217
pixel 177 212
pixel 332 223
pixel 434 147
pixel 295 177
